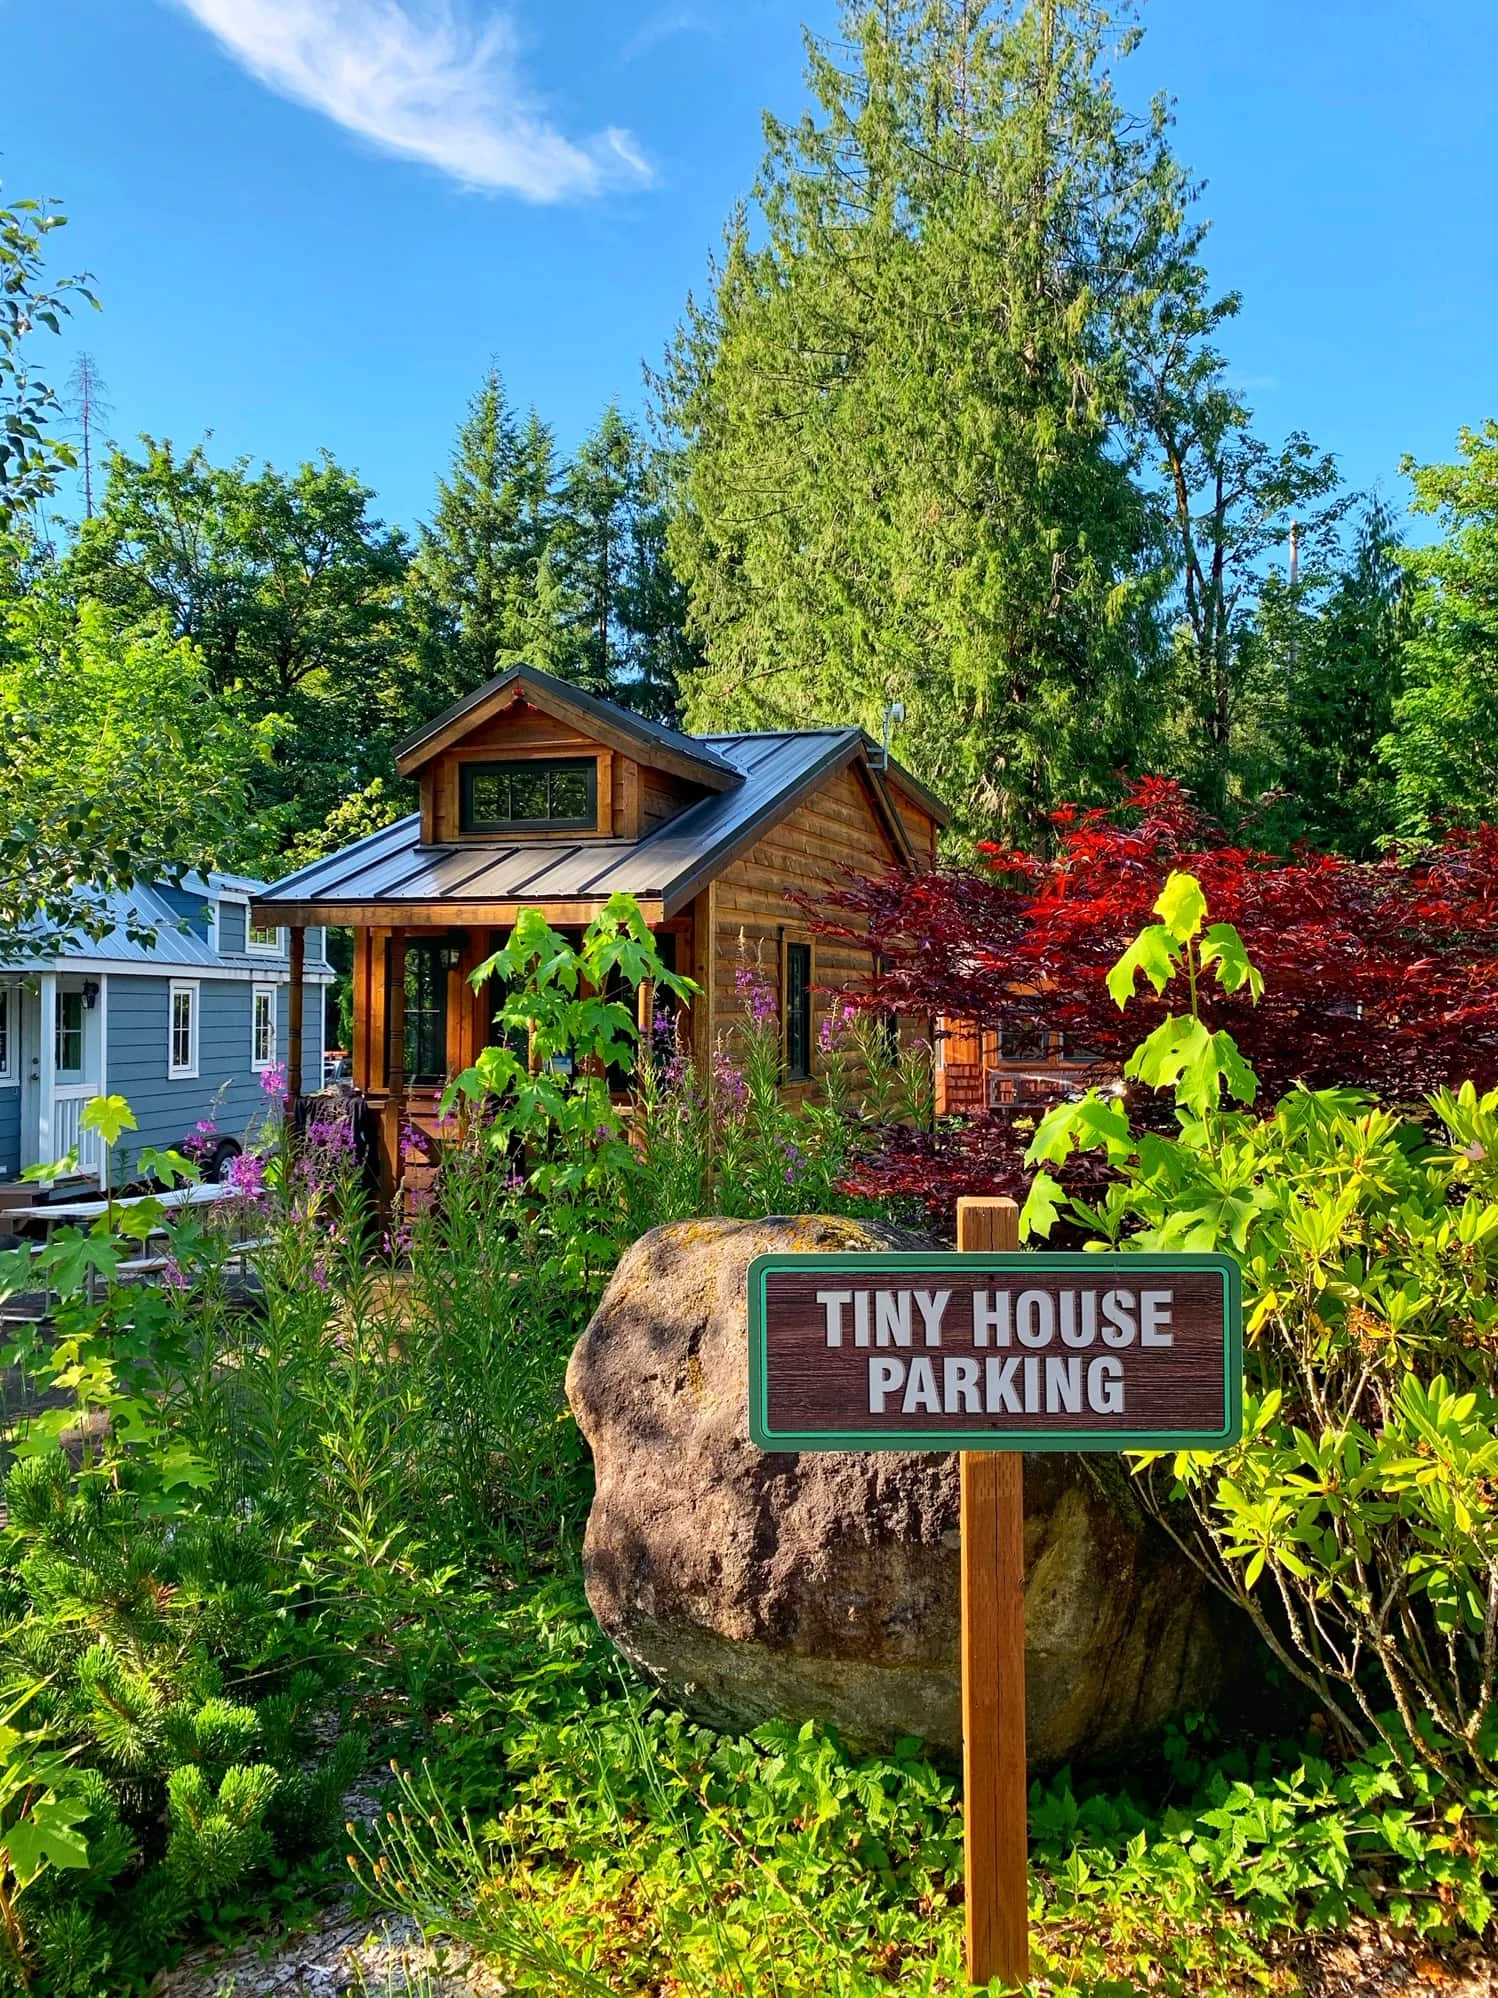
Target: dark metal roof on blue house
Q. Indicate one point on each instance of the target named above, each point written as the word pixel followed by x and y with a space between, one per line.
pixel 771 771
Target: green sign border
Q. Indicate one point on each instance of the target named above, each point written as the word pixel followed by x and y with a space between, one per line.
pixel 1005 1264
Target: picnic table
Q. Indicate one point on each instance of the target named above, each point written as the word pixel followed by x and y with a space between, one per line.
pixel 50 1215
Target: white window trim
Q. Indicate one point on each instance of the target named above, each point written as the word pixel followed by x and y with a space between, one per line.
pixel 10 1066
pixel 254 949
pixel 258 1067
pixel 192 988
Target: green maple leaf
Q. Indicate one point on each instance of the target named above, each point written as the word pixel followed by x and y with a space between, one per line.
pixel 109 1116
pixel 1042 1208
pixel 1223 947
pixel 1055 1136
pixel 47 1838
pixel 1182 906
pixel 1154 952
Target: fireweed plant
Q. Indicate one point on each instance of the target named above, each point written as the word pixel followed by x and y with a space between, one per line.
pixel 1357 1522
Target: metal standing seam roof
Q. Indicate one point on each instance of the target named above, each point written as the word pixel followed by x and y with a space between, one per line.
pixel 667 864
pixel 175 947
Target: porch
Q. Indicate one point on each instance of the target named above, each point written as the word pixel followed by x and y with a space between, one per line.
pixel 419 1020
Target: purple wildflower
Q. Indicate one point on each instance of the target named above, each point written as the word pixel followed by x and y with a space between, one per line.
pixel 836 1022
pixel 173 1275
pixel 247 1176
pixel 273 1080
pixel 205 1127
pixel 732 1090
pixel 756 995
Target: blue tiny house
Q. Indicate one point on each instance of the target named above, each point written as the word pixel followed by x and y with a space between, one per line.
pixel 184 1026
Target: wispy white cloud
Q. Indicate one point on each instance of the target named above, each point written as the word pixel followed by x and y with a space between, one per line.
pixel 660 26
pixel 421 78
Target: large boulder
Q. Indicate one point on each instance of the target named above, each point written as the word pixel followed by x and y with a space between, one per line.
pixel 825 1586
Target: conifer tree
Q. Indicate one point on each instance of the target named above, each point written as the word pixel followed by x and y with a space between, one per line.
pixel 475 570
pixel 905 410
pixel 593 536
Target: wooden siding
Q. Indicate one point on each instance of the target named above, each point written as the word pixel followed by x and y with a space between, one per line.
pixel 662 797
pixel 753 916
pixel 632 798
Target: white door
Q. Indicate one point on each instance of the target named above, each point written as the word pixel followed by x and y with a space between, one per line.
pixel 31 1073
pixel 75 1045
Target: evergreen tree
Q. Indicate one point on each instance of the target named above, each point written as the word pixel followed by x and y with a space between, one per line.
pixel 476 566
pixel 908 473
pixel 662 653
pixel 593 533
pixel 1341 667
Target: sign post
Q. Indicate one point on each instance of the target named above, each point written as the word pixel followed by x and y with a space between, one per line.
pixel 991 1352
pixel 994 1787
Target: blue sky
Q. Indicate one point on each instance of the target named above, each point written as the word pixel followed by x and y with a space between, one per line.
pixel 543 183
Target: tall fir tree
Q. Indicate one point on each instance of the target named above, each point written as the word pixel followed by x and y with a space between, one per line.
pixel 475 573
pixel 905 411
pixel 595 507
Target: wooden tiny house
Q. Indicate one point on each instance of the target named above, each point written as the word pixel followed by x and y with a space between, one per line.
pixel 537 795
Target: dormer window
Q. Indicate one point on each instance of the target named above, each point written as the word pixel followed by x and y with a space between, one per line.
pixel 530 795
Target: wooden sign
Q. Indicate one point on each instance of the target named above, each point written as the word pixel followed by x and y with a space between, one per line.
pixel 991 1352
pixel 994 1352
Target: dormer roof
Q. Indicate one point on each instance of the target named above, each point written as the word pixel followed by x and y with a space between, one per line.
pixel 602 721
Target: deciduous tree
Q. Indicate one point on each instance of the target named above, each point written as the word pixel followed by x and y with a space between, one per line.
pixel 1444 743
pixel 293 594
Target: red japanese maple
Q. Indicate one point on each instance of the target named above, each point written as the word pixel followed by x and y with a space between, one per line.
pixel 1383 977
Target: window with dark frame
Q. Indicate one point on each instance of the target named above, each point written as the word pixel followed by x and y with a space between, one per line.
pixel 428 962
pixel 524 796
pixel 797 1012
pixel 1021 1040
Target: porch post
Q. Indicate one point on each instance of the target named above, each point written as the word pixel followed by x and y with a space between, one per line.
pixel 393 1116
pixel 294 1018
pixel 46 1057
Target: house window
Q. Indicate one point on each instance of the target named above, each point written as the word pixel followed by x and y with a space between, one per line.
pixel 265 937
pixel 68 1047
pixel 182 1040
pixel 424 1054
pixel 262 1027
pixel 1021 1040
pixel 796 1012
pixel 7 1033
pixel 527 796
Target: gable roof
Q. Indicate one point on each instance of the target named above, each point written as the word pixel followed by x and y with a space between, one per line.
pixel 603 721
pixel 663 871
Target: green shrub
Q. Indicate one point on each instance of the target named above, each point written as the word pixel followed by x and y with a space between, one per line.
pixel 1357 1521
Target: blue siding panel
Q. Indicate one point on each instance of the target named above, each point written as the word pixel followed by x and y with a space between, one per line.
pixel 225 1089
pixel 10 1132
pixel 231 927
